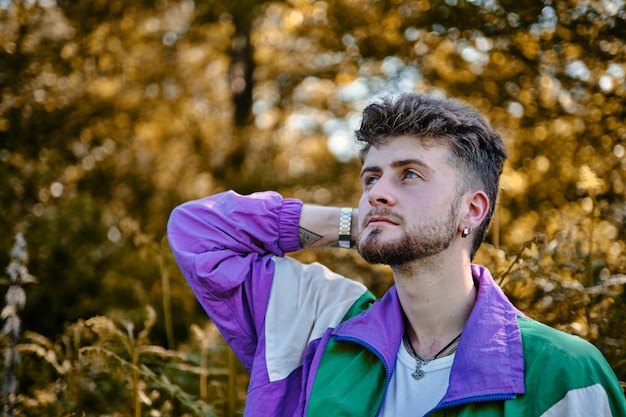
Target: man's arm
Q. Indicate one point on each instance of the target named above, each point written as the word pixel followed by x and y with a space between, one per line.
pixel 319 226
pixel 231 249
pixel 224 245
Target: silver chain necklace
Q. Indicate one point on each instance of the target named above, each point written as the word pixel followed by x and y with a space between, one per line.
pixel 421 361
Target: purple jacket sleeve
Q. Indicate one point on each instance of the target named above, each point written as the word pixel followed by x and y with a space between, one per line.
pixel 224 246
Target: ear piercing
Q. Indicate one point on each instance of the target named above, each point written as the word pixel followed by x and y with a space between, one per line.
pixel 466 232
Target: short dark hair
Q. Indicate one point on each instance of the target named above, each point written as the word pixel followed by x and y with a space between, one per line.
pixel 476 148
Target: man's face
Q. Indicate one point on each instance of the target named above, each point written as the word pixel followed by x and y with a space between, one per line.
pixel 409 209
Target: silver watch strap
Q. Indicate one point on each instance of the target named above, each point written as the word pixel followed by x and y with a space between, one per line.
pixel 345 228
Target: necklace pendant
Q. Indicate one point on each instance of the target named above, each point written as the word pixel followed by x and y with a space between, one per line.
pixel 421 361
pixel 418 374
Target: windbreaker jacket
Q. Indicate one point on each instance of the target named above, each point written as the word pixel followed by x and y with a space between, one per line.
pixel 319 344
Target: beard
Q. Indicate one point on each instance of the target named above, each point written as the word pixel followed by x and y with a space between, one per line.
pixel 416 243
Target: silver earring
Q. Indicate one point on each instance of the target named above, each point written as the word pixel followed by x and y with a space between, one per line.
pixel 466 231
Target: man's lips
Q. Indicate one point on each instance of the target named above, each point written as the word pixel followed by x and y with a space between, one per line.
pixel 380 220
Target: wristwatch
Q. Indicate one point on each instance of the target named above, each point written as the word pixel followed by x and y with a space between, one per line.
pixel 345 228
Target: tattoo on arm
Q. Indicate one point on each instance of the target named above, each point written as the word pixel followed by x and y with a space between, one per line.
pixel 308 237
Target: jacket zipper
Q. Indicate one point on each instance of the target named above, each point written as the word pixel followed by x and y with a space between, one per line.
pixel 465 401
pixel 380 358
pixel 496 397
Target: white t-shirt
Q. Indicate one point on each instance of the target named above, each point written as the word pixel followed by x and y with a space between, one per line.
pixel 409 397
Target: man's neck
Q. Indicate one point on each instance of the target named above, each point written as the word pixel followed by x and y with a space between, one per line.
pixel 437 297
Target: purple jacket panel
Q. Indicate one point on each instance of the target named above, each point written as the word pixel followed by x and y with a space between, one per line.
pixel 380 327
pixel 491 334
pixel 229 267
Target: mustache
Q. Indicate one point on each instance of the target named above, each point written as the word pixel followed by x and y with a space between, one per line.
pixel 383 212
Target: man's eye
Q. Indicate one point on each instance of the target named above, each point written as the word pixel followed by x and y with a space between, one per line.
pixel 370 180
pixel 411 174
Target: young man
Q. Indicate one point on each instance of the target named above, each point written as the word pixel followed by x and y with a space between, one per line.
pixel 443 341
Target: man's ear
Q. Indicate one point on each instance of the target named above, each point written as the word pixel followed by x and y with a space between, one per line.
pixel 477 208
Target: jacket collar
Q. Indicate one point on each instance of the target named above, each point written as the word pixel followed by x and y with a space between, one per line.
pixel 489 360
pixel 380 328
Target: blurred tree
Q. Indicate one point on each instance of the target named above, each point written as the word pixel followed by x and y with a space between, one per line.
pixel 87 126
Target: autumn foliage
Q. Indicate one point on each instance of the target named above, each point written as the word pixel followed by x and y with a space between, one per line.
pixel 112 112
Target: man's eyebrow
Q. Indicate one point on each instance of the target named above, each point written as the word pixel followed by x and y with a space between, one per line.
pixel 365 170
pixel 396 164
pixel 404 162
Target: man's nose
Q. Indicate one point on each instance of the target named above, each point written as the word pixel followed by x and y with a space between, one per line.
pixel 381 193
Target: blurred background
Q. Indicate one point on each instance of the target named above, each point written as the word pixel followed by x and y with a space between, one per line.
pixel 113 112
